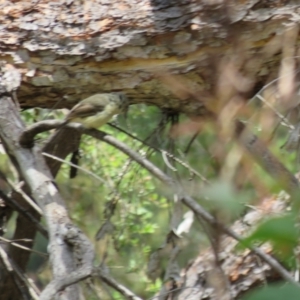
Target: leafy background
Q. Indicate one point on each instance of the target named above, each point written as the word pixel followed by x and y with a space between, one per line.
pixel 144 206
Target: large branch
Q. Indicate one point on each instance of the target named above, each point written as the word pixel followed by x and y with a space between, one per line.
pixel 69 50
pixel 37 176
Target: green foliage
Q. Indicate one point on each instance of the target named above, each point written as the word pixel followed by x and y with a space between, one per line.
pixel 280 231
pixel 220 195
pixel 140 217
pixel 281 291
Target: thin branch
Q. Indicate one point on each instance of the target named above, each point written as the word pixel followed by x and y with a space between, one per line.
pixel 13 243
pixel 27 140
pixel 25 197
pixel 60 284
pixel 281 116
pixel 27 137
pixel 76 166
pixel 187 200
pixel 18 189
pixel 22 211
pixel 257 95
pixel 93 289
pixel 189 145
pixel 115 285
pixel 265 158
pixel 166 160
pixel 10 267
pixel 164 152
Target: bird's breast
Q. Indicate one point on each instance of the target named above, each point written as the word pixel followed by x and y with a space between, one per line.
pixel 98 119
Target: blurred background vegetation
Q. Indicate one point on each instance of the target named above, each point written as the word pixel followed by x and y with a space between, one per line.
pixel 142 207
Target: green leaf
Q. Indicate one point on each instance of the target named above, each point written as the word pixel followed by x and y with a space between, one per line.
pixel 280 231
pixel 275 292
pixel 222 196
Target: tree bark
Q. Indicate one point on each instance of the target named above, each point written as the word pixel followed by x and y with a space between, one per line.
pixel 69 250
pixel 69 50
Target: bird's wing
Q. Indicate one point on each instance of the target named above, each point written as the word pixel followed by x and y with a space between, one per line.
pixel 83 110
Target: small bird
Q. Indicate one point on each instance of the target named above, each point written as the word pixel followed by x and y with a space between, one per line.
pixel 97 110
pixel 94 112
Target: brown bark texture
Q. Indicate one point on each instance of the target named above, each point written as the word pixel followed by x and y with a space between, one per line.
pixel 68 50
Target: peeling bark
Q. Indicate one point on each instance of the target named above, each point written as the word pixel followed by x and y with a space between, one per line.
pixel 68 50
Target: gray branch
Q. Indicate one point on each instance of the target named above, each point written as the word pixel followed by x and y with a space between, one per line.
pixel 37 176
